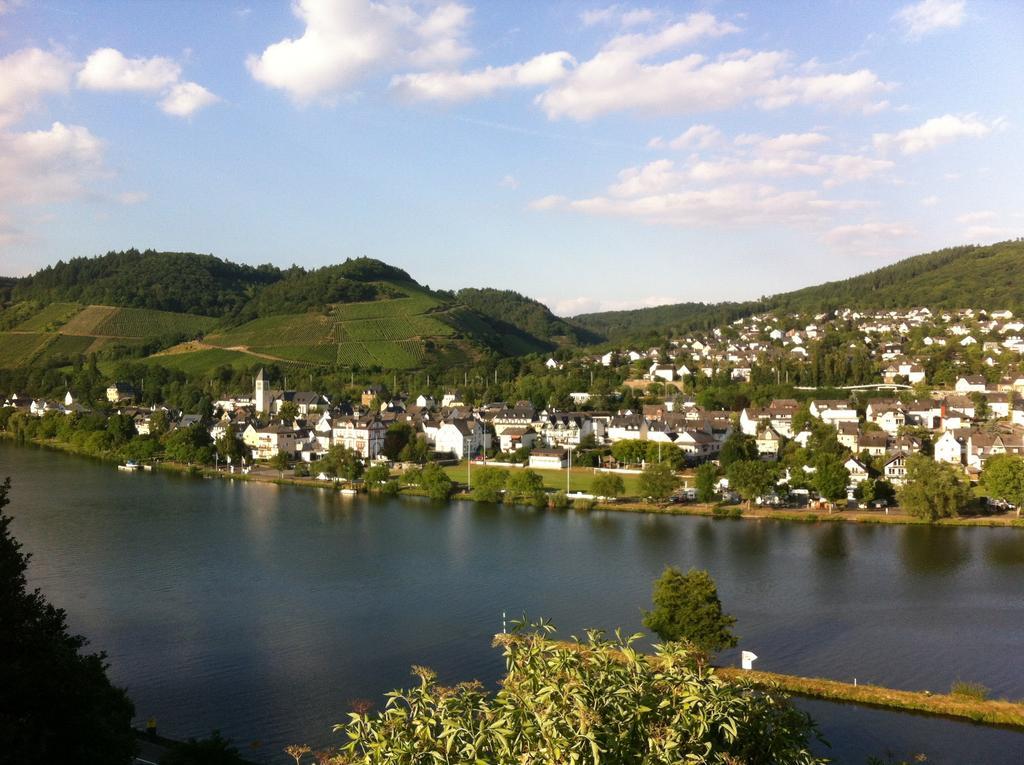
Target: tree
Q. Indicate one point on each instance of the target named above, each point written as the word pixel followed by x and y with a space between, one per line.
pixel 488 484
pixel 377 475
pixel 1003 478
pixel 629 451
pixel 577 703
pixel 686 607
pixel 416 450
pixel 288 412
pixel 830 480
pixel 704 481
pixel 737 447
pixel 397 437
pixel 188 445
pixel 436 482
pixel 229 446
pixel 56 703
pixel 931 489
pixel 343 462
pixel 608 485
pixel 525 487
pixel 280 462
pixel 658 481
pixel 752 478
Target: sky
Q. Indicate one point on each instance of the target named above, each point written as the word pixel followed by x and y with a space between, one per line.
pixel 594 156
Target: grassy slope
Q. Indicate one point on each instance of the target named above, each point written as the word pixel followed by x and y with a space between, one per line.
pixel 989 277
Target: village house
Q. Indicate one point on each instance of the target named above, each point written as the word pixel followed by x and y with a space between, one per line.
pixel 269 441
pixel 769 443
pixel 548 459
pixel 120 391
pixel 463 438
pixel 513 439
pixel 833 411
pixel 895 469
pixel 362 434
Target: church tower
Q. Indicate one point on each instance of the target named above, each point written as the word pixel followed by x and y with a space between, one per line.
pixel 262 404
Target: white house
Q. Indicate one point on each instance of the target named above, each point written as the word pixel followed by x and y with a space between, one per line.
pixel 463 438
pixel 363 435
pixel 548 459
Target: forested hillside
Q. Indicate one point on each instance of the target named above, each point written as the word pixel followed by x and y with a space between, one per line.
pixel 514 311
pixel 184 282
pixel 990 277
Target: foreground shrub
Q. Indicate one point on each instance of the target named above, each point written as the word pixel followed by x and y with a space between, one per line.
pixel 587 703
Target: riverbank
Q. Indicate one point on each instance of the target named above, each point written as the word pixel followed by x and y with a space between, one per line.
pixel 983 711
pixel 995 712
pixel 263 474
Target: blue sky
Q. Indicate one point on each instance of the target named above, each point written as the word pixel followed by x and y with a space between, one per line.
pixel 591 155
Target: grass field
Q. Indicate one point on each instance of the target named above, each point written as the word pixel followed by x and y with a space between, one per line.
pixel 203 361
pixel 143 322
pixel 581 479
pixel 87 320
pixel 385 333
pixel 65 348
pixel 50 318
pixel 17 349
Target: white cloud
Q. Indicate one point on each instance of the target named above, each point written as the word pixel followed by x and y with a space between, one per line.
pixel 694 137
pixel 872 238
pixel 846 168
pixel 577 305
pixel 509 182
pixel 982 234
pixel 10 234
pixel 789 155
pixel 927 16
pixel 462 86
pixel 616 14
pixel 27 75
pixel 46 166
pixel 935 132
pixel 132 197
pixel 344 41
pixel 186 98
pixel 621 76
pixel 739 204
pixel 109 69
pixel 976 217
pixel 930 201
pixel 550 202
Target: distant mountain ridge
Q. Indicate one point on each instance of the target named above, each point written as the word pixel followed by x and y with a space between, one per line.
pixel 989 278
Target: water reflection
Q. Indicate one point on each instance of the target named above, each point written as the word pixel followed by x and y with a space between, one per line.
pixel 1005 551
pixel 933 549
pixel 830 542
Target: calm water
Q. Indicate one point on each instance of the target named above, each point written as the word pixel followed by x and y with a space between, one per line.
pixel 262 610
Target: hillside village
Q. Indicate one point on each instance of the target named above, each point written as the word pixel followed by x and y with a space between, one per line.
pixel 919 403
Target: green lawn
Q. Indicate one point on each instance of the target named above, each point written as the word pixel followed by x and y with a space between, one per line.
pixel 580 480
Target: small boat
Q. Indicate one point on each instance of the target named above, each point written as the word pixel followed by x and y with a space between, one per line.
pixel 129 465
pixel 348 492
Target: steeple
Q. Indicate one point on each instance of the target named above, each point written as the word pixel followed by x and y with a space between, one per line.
pixel 262 404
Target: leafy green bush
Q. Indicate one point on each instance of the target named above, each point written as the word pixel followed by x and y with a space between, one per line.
pixel 598 701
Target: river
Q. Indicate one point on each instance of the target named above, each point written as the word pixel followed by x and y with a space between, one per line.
pixel 263 610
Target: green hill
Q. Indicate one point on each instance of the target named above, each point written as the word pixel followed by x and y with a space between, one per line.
pixel 513 314
pixel 197 312
pixel 988 278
